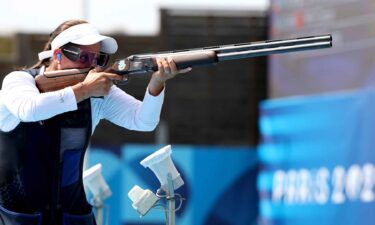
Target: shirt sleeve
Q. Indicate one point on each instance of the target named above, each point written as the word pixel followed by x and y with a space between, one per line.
pixel 24 101
pixel 126 111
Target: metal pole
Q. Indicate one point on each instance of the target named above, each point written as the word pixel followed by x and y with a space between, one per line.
pixel 99 215
pixel 97 202
pixel 171 203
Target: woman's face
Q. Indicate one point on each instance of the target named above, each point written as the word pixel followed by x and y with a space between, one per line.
pixel 66 63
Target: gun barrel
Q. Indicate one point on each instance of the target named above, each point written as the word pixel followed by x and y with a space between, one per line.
pixel 272 44
pixel 142 63
pixel 272 50
pixel 247 46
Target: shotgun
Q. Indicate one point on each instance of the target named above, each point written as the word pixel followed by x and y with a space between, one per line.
pixel 144 63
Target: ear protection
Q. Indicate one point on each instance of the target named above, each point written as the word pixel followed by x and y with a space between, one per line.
pixel 58 56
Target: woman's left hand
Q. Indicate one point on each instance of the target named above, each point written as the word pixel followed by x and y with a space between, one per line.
pixel 167 69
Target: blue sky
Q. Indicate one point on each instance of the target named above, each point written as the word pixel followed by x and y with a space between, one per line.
pixel 134 17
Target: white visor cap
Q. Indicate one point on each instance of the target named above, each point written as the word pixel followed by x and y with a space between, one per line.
pixel 81 34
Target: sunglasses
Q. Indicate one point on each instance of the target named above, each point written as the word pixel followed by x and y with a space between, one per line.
pixel 75 54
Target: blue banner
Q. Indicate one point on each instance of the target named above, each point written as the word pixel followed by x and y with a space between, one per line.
pixel 317 155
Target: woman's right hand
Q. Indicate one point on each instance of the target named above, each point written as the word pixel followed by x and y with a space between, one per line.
pixel 96 84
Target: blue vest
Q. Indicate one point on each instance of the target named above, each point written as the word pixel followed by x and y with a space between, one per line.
pixel 41 167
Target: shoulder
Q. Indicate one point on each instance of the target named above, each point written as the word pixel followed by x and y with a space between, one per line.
pixel 16 76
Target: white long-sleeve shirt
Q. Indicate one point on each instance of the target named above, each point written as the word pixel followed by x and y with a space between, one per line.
pixel 21 101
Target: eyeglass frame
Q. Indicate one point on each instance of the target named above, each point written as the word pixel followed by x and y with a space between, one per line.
pixel 74 52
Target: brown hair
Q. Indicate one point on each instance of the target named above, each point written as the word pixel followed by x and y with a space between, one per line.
pixel 65 25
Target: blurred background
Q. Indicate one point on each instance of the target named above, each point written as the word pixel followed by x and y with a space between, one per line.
pixel 285 139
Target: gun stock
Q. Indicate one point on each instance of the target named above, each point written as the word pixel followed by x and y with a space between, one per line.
pixel 59 79
pixel 144 63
